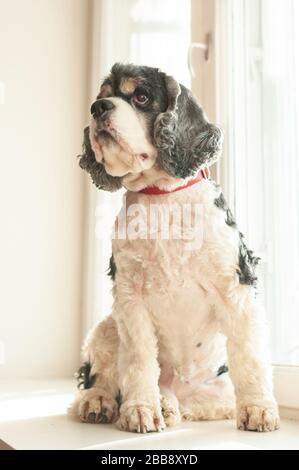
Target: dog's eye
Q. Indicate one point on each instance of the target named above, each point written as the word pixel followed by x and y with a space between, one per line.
pixel 140 98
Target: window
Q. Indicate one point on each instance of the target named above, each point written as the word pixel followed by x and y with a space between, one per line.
pixel 263 137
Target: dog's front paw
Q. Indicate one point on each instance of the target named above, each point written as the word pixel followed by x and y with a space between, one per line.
pixel 258 418
pixel 140 418
pixel 170 411
pixel 96 406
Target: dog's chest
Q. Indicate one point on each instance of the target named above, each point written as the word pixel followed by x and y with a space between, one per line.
pixel 173 278
pixel 182 310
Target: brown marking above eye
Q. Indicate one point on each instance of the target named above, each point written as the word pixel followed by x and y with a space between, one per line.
pixel 106 90
pixel 128 85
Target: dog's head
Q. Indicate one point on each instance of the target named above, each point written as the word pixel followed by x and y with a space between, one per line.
pixel 143 118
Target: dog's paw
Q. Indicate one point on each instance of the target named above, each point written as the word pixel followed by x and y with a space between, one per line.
pixel 96 406
pixel 258 418
pixel 170 411
pixel 140 418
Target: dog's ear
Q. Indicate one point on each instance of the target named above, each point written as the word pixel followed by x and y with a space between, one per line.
pixel 185 139
pixel 99 176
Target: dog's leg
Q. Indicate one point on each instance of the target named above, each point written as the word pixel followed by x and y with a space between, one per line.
pixel 138 366
pixel 249 362
pixel 98 404
pixel 212 400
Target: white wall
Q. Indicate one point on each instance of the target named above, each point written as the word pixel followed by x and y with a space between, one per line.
pixel 43 66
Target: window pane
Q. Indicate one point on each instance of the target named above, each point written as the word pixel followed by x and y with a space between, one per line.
pixel 144 47
pixel 160 35
pixel 165 12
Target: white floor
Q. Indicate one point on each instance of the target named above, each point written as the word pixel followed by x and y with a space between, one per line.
pixel 32 416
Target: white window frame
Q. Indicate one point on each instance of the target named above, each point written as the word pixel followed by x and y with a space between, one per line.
pixel 211 86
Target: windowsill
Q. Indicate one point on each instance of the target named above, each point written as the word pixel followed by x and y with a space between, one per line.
pixel 33 416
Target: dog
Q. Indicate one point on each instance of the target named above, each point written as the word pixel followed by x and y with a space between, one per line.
pixel 186 339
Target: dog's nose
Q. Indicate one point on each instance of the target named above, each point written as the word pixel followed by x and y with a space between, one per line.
pixel 100 108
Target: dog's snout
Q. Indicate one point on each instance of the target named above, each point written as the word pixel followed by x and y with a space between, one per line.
pixel 100 108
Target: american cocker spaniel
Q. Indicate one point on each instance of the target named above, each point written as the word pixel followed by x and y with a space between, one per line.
pixel 186 339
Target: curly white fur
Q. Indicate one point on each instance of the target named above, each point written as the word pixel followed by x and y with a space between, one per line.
pixel 177 315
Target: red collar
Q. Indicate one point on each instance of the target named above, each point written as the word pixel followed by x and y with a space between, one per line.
pixel 155 191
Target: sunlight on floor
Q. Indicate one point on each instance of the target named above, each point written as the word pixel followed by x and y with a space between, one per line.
pixel 34 406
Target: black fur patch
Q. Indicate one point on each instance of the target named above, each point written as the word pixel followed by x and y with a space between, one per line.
pixel 247 261
pixel 222 204
pixel 186 141
pixel 85 380
pixel 112 268
pixel 247 264
pixel 222 370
